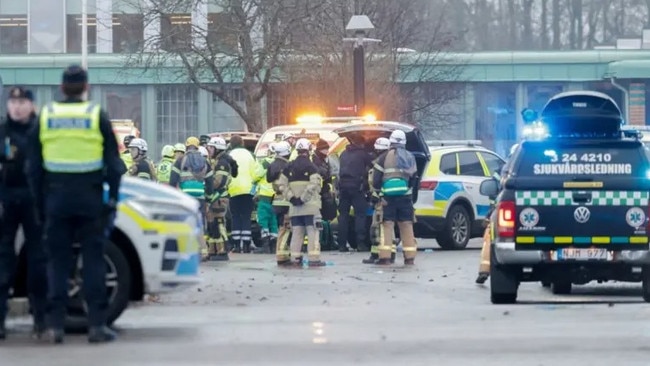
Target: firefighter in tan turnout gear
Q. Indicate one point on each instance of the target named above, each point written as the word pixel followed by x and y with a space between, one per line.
pixel 223 167
pixel 382 144
pixel 303 192
pixel 484 266
pixel 394 179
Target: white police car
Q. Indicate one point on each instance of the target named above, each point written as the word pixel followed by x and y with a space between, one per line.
pixel 449 206
pixel 153 249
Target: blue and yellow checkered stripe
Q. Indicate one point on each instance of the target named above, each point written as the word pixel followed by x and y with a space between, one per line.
pixel 581 240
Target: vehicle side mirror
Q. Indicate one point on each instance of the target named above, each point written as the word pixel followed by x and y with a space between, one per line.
pixel 490 188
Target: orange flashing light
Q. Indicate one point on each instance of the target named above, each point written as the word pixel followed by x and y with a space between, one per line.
pixel 310 119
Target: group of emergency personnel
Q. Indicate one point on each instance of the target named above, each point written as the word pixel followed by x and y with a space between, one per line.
pixel 53 167
pixel 304 186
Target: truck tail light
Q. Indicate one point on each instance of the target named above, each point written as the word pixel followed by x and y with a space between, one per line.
pixel 506 219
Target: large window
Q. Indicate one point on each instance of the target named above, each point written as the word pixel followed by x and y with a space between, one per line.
pixel 124 102
pixel 176 32
pixel 222 33
pixel 177 107
pixel 496 117
pixel 224 118
pixel 128 32
pixel 73 33
pixel 13 34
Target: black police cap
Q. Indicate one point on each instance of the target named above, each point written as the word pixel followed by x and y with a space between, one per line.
pixel 75 74
pixel 18 92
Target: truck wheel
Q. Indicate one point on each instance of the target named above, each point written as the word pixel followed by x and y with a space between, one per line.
pixel 118 286
pixel 456 233
pixel 546 284
pixel 562 287
pixel 504 282
pixel 645 279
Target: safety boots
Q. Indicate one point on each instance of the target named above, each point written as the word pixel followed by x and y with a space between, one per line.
pixel 266 246
pixel 372 259
pixel 235 246
pixel 482 277
pixel 101 335
pixel 219 257
pixel 273 243
pixel 318 263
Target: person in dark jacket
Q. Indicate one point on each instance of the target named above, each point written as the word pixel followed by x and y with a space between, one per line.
pixel 74 152
pixel 303 184
pixel 224 168
pixel 353 191
pixel 17 205
pixel 282 151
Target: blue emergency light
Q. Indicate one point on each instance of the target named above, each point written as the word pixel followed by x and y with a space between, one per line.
pixel 529 115
pixel 582 115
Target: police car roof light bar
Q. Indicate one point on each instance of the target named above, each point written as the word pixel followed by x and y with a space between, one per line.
pixel 454 142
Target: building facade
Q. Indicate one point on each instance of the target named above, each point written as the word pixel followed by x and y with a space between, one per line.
pixel 38 38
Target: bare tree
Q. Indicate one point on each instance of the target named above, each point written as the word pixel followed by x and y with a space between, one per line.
pixel 543 32
pixel 556 14
pixel 242 47
pixel 400 84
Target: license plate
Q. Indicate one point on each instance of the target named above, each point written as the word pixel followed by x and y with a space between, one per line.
pixel 583 254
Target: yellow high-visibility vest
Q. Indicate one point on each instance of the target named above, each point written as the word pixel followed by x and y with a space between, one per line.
pixel 71 139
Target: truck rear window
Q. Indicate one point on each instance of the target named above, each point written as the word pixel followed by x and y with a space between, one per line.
pixel 583 161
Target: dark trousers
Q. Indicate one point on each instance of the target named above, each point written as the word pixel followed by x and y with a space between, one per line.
pixel 74 214
pixel 356 200
pixel 20 211
pixel 241 209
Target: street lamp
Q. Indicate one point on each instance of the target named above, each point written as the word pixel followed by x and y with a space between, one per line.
pixel 359 24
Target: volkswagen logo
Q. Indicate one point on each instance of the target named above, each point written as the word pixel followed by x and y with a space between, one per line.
pixel 581 214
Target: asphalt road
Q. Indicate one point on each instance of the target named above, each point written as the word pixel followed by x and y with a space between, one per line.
pixel 248 312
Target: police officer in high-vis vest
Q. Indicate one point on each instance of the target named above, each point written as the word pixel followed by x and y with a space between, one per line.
pixel 74 153
pixel 394 180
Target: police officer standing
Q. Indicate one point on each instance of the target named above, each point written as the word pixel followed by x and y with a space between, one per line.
pixel 353 190
pixel 74 153
pixel 17 206
pixel 394 178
